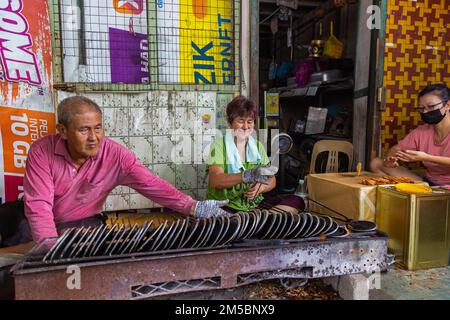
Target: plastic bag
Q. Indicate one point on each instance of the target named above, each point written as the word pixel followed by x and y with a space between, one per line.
pixel 285 70
pixel 333 47
pixel 303 72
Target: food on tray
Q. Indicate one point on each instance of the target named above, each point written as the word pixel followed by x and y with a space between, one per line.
pixel 386 180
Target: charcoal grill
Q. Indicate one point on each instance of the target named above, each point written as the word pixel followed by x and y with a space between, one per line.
pixel 137 261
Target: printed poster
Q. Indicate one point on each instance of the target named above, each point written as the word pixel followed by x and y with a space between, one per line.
pixel 105 42
pixel 26 105
pixel 195 41
pixel 19 129
pixel 272 103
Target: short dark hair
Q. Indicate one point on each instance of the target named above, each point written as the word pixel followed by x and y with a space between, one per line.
pixel 241 106
pixel 72 106
pixel 438 89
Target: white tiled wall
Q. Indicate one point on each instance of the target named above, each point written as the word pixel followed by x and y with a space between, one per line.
pixel 166 131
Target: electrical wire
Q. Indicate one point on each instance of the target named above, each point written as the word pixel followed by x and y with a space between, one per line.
pixel 345 219
pixel 270 16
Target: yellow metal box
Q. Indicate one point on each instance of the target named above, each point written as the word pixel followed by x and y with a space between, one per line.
pixel 418 226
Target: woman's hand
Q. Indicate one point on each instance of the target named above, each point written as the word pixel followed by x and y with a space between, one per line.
pixel 255 190
pixel 412 156
pixel 391 162
pixel 208 208
pixel 259 174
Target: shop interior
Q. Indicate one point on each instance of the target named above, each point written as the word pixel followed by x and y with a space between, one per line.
pixel 307 55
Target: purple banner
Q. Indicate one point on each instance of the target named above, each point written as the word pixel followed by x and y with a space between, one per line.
pixel 129 56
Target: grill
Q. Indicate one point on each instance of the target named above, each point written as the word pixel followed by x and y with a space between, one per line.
pixel 149 259
pixel 187 233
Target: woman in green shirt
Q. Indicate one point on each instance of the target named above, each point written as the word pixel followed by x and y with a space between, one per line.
pixel 239 169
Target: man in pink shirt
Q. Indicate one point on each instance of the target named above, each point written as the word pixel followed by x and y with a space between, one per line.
pixel 69 175
pixel 429 143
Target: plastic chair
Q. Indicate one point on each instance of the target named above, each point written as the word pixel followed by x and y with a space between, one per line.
pixel 334 149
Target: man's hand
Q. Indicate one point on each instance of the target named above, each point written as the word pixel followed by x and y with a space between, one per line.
pixel 259 174
pixel 391 162
pixel 209 208
pixel 255 190
pixel 412 156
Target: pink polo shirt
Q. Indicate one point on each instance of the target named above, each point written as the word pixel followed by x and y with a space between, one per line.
pixel 55 192
pixel 422 139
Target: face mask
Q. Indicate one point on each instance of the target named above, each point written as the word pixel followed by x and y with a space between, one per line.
pixel 432 117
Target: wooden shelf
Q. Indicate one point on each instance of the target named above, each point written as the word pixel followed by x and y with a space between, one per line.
pixel 314 89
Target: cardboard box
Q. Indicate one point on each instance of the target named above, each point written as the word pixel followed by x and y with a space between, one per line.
pixel 418 226
pixel 344 193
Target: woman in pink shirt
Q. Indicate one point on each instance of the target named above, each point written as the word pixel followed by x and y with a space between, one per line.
pixel 429 143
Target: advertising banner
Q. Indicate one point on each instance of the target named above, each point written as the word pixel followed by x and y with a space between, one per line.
pixel 19 129
pixel 25 55
pixel 195 41
pixel 105 42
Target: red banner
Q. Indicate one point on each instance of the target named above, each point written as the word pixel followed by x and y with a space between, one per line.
pixel 26 104
pixel 19 129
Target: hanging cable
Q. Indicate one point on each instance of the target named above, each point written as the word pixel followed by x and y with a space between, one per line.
pixel 332 210
pixel 270 16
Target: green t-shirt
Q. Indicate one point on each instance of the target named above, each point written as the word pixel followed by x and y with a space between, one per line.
pixel 236 194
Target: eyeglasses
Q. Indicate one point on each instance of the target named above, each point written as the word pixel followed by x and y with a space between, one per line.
pixel 422 109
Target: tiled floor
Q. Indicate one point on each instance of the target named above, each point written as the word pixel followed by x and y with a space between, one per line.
pixel 431 284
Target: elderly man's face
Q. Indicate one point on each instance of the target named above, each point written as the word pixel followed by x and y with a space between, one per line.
pixel 84 135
